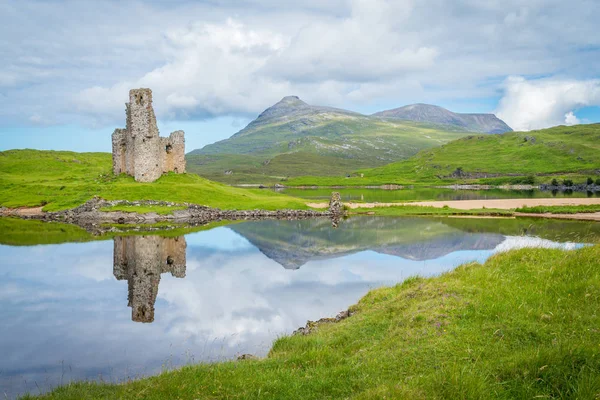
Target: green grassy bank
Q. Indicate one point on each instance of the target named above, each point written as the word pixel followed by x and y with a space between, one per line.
pixel 61 179
pixel 523 325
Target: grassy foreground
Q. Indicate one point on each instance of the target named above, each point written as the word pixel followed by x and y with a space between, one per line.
pixel 523 325
pixel 62 179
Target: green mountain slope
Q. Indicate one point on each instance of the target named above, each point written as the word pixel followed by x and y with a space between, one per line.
pixel 553 151
pixel 512 157
pixel 293 138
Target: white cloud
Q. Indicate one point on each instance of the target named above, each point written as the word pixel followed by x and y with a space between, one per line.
pixel 237 58
pixel 571 119
pixel 536 104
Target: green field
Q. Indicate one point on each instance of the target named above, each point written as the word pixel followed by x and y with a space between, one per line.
pixel 523 325
pixel 61 179
pixel 511 158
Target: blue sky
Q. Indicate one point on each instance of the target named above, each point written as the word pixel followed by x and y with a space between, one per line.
pixel 213 66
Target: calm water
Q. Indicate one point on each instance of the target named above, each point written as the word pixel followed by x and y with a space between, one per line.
pixel 422 194
pixel 133 306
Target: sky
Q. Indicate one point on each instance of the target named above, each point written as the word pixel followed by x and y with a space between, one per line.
pixel 213 66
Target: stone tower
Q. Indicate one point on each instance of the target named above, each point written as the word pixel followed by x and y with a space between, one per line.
pixel 138 150
pixel 141 260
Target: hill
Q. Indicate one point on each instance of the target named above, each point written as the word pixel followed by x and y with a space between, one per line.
pixel 64 179
pixel 293 138
pixel 512 157
pixel 486 123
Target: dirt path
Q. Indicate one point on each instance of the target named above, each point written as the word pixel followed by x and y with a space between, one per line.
pixel 501 204
pixel 22 211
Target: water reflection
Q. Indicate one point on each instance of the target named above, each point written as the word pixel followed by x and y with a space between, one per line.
pixel 141 260
pixel 214 294
pixel 294 244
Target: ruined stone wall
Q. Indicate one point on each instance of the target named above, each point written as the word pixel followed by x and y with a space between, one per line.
pixel 138 150
pixel 118 151
pixel 141 260
pixel 173 158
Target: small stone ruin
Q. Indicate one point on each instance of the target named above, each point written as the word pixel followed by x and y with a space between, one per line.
pixel 138 150
pixel 336 207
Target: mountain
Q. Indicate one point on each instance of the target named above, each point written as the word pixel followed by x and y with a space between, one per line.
pixel 482 123
pixel 510 157
pixel 293 138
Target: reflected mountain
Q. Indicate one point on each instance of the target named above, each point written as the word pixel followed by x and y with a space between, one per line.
pixel 293 244
pixel 141 260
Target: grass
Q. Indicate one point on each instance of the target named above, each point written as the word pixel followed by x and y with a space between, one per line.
pixel 561 152
pixel 60 179
pixel 523 325
pixel 160 210
pixel 560 209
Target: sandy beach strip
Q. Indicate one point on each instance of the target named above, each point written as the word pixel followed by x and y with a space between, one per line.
pixel 499 204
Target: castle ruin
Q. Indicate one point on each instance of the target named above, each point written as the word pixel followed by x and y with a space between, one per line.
pixel 138 150
pixel 141 260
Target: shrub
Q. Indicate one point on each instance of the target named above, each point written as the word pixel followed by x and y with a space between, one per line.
pixel 568 182
pixel 590 181
pixel 530 180
pixel 598 181
pixel 554 182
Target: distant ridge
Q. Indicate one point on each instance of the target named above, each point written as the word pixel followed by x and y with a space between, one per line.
pixel 288 109
pixel 294 138
pixel 483 123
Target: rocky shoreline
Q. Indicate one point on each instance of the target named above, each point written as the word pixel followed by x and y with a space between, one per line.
pixel 90 214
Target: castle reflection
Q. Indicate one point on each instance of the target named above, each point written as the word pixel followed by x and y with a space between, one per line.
pixel 141 260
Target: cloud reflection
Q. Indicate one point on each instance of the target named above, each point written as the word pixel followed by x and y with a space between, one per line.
pixel 65 317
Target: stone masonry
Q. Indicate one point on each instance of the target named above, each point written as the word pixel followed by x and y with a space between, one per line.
pixel 138 150
pixel 141 260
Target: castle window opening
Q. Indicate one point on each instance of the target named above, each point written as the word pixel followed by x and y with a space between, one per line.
pixel 168 148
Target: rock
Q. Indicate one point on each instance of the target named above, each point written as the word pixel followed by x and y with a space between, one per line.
pixel 312 326
pixel 336 207
pixel 247 357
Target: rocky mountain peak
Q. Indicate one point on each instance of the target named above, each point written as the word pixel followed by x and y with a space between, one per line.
pixel 487 123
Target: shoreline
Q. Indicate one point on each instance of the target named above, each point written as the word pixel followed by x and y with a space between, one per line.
pixel 581 188
pixel 91 214
pixel 430 308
